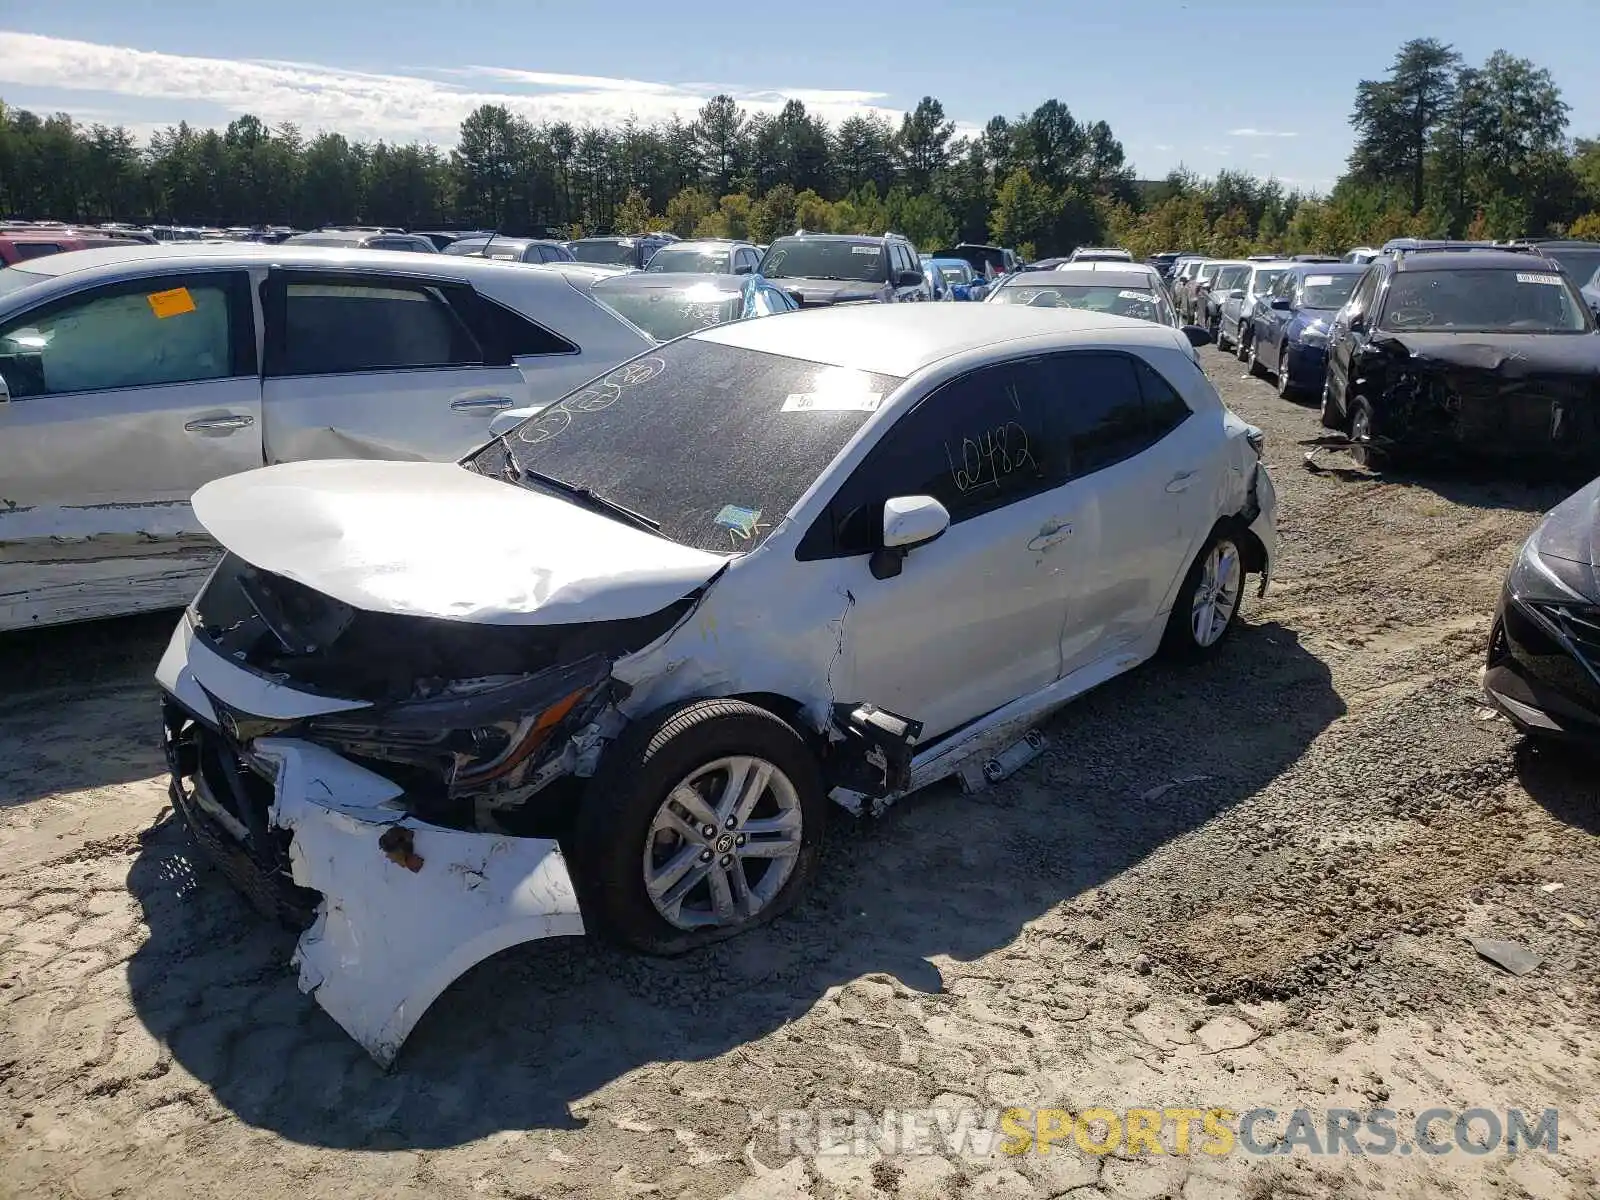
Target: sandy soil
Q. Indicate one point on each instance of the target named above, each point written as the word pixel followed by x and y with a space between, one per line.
pixel 1287 927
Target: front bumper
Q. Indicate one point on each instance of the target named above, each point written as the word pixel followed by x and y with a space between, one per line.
pixel 1543 687
pixel 1306 364
pixel 399 908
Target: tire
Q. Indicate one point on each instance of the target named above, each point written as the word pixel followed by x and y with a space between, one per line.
pixel 1242 348
pixel 1254 360
pixel 1286 386
pixel 1223 343
pixel 626 829
pixel 1330 419
pixel 1181 639
pixel 1361 424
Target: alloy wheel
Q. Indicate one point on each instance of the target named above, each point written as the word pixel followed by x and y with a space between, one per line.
pixel 723 843
pixel 1217 594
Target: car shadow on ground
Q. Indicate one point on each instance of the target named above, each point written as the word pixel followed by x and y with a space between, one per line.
pixel 1478 485
pixel 521 1038
pixel 1564 780
pixel 58 681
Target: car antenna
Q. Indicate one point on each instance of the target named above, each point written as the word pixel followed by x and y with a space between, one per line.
pixel 484 252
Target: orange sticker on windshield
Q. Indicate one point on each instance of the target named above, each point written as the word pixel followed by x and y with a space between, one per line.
pixel 172 303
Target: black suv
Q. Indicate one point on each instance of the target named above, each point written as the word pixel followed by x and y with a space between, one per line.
pixel 845 268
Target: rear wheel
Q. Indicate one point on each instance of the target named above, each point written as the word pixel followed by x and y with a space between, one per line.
pixel 702 822
pixel 1208 600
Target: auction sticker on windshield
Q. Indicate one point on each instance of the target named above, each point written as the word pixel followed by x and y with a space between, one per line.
pixel 1553 280
pixel 863 249
pixel 1319 280
pixel 832 401
pixel 1133 296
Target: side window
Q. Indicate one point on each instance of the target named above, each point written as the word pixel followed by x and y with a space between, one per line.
pixel 333 325
pixel 27 250
pixel 976 444
pixel 1366 291
pixel 176 329
pixel 1101 410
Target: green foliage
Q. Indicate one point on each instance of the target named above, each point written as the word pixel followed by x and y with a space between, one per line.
pixel 1442 148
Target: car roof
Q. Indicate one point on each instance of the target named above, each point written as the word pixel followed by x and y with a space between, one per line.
pixel 902 339
pixel 473 239
pixel 717 242
pixel 1472 260
pixel 645 281
pixel 110 263
pixel 831 237
pixel 1331 268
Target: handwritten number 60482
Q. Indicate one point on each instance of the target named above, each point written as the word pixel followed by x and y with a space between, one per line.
pixel 987 458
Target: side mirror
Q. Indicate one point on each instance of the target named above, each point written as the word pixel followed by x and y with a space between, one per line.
pixel 908 522
pixel 743 269
pixel 1198 335
pixel 1281 303
pixel 909 278
pixel 1236 294
pixel 1356 324
pixel 798 299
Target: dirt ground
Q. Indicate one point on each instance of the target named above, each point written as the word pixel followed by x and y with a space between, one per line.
pixel 1245 883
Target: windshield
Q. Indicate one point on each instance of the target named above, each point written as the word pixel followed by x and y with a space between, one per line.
pixel 14 279
pixel 715 442
pixel 610 251
pixel 805 258
pixel 686 258
pixel 1231 277
pixel 1327 291
pixel 1580 262
pixel 1262 282
pixel 961 274
pixel 1141 303
pixel 666 312
pixel 1484 300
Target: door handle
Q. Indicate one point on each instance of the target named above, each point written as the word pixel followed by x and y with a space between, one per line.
pixel 1181 481
pixel 208 424
pixel 1050 534
pixel 481 403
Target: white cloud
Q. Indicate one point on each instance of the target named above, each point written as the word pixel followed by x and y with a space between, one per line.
pixel 1162 146
pixel 425 106
pixel 1267 133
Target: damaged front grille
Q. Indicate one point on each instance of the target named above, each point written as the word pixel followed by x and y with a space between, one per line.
pixel 1484 413
pixel 296 635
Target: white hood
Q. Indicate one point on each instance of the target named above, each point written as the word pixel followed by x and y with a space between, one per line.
pixel 437 540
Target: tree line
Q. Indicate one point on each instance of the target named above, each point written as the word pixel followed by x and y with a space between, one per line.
pixel 1442 149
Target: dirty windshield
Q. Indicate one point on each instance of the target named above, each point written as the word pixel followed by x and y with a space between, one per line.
pixel 668 312
pixel 1537 300
pixel 1096 297
pixel 1328 291
pixel 860 262
pixel 610 252
pixel 695 259
pixel 714 442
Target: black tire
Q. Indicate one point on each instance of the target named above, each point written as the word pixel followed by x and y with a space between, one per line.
pixel 1361 418
pixel 1330 417
pixel 1223 343
pixel 1286 388
pixel 1254 360
pixel 1242 348
pixel 636 773
pixel 1179 640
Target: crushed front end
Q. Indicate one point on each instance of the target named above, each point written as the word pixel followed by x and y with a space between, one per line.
pixel 1484 401
pixel 395 786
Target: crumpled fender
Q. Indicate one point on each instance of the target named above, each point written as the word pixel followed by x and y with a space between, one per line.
pixel 400 922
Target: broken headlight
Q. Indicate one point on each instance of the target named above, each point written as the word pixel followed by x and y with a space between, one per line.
pixel 474 738
pixel 1559 595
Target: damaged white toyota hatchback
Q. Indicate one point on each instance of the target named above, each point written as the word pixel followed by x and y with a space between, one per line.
pixel 606 673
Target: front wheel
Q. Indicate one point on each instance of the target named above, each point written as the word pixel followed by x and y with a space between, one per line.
pixel 1242 349
pixel 702 822
pixel 1256 369
pixel 1224 343
pixel 1285 381
pixel 1208 600
pixel 1362 450
pixel 1329 415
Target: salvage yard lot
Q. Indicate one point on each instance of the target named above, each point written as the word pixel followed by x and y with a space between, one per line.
pixel 1243 883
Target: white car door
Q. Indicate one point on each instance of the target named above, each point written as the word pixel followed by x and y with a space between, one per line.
pixel 973 620
pixel 371 364
pixel 123 399
pixel 1143 472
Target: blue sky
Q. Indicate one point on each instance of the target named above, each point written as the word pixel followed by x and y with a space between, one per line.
pixel 1264 87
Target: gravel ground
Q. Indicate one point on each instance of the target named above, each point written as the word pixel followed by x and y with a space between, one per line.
pixel 1245 883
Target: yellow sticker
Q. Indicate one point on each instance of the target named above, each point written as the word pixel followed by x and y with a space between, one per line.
pixel 172 303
